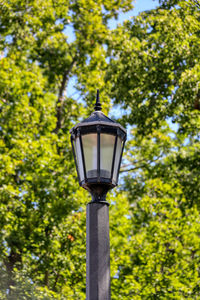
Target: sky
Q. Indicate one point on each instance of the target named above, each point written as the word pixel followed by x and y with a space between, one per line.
pixel 139 6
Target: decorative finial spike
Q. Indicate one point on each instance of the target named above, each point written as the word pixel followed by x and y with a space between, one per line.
pixel 98 95
pixel 98 104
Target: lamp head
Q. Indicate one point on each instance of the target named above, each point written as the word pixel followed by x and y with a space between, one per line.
pixel 98 144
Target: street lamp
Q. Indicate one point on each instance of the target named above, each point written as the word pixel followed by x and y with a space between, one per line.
pixel 98 144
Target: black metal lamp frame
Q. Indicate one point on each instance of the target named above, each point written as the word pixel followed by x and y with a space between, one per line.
pixel 98 123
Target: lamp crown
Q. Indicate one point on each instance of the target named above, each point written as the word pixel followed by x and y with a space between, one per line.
pixel 98 104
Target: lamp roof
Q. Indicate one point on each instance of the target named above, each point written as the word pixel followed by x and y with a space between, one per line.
pixel 98 118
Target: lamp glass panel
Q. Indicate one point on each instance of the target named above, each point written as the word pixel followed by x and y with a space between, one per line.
pixel 107 142
pixel 90 154
pixel 79 158
pixel 117 158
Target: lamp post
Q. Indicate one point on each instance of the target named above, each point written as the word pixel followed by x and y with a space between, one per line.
pixel 98 144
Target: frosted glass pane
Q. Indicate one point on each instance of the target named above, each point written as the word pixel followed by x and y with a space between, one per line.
pixel 79 158
pixel 117 158
pixel 90 154
pixel 107 143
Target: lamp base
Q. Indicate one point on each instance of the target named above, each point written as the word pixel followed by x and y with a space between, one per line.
pixel 98 192
pixel 99 198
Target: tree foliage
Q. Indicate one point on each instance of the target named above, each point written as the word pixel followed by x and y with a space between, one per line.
pixel 150 67
pixel 154 72
pixel 43 45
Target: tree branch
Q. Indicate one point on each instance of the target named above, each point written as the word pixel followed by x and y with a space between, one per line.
pixel 132 169
pixel 56 280
pixel 197 3
pixel 10 262
pixel 142 165
pixel 133 163
pixel 59 104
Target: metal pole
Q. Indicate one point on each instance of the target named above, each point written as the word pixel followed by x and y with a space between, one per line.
pixel 98 251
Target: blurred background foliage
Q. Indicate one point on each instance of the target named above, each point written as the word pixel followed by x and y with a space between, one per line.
pixel 149 67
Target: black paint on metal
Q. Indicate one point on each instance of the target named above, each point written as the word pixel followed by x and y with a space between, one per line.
pixel 83 156
pixel 75 158
pixel 98 252
pixel 114 153
pixel 98 104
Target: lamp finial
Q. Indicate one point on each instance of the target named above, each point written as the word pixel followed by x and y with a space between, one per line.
pixel 98 104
